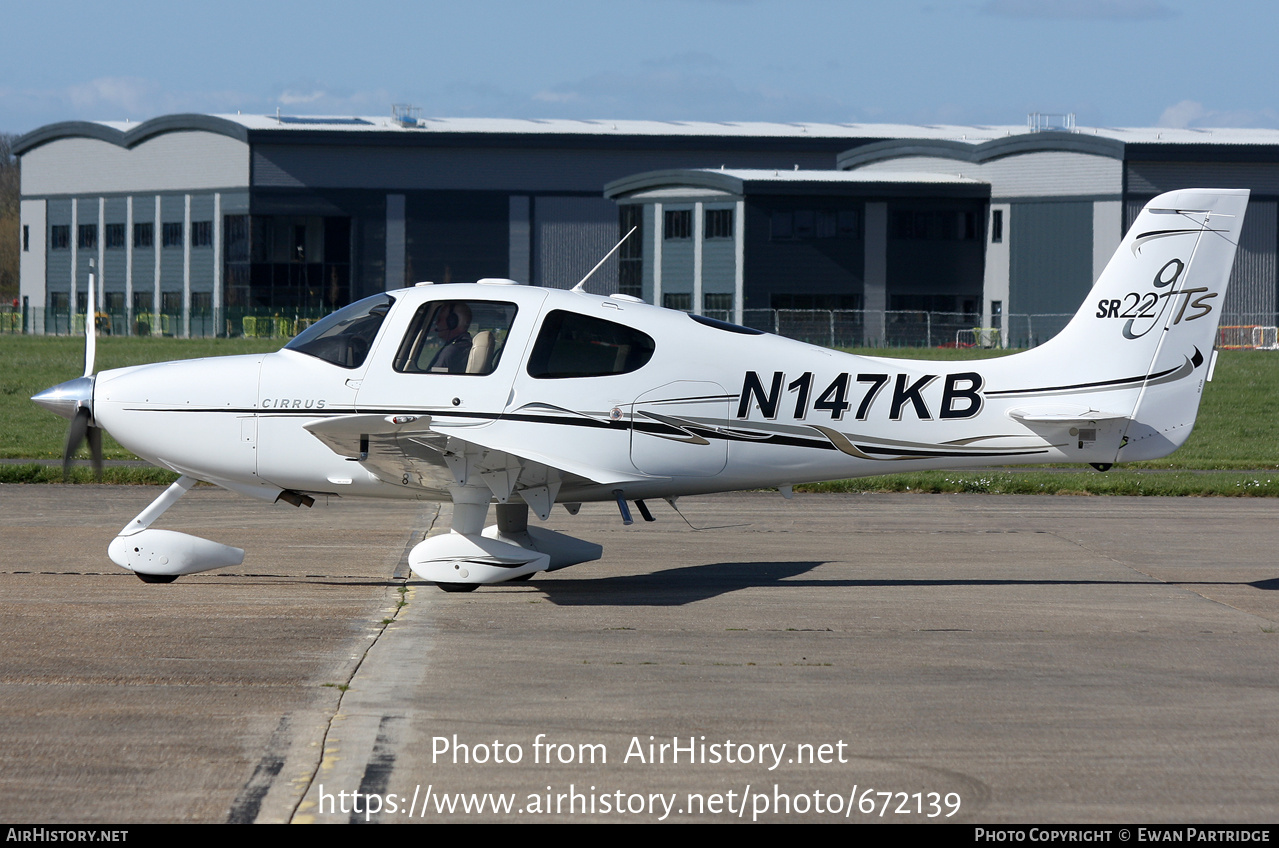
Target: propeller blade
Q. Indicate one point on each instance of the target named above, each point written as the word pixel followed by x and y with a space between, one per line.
pixel 95 450
pixel 90 329
pixel 75 437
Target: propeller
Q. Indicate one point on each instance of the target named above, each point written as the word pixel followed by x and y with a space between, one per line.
pixel 74 399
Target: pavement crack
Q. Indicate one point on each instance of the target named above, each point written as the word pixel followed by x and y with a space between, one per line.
pixel 428 516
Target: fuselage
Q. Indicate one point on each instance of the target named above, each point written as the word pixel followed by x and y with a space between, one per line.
pixel 708 407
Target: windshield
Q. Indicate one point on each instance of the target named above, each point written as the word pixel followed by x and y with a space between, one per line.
pixel 345 337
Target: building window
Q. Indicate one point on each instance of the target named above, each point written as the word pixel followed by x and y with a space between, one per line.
pixel 115 236
pixel 714 303
pixel 60 237
pixel 805 224
pixel 87 237
pixel 682 302
pixel 827 224
pixel 850 223
pixel 172 235
pixel 997 226
pixel 781 226
pixel 26 238
pixel 171 302
pixel 202 234
pixel 788 225
pixel 630 259
pixel 719 223
pixel 144 235
pixel 934 226
pixel 679 224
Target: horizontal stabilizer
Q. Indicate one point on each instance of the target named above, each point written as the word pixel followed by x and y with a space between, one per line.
pixel 1062 415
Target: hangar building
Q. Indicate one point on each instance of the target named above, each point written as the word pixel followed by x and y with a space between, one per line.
pixel 198 221
pixel 210 215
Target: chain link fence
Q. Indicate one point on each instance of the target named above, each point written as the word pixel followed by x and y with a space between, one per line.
pixel 236 323
pixel 834 328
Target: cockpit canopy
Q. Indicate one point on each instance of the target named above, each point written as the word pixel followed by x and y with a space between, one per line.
pixel 345 337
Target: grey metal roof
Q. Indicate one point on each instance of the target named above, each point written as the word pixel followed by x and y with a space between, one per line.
pixel 979 141
pixel 743 181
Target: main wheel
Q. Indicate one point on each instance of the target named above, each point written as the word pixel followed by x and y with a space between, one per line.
pixel 156 578
pixel 458 587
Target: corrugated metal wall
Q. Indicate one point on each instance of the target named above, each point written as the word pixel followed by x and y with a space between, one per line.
pixel 1157 177
pixel 1050 263
pixel 1047 174
pixel 1253 278
pixel 571 234
pixel 181 161
pixel 489 169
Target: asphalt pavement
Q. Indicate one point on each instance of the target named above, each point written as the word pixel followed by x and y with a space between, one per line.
pixel 961 658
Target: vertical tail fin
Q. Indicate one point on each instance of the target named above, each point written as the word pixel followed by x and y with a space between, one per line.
pixel 1151 318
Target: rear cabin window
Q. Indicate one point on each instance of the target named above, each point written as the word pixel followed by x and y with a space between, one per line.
pixel 574 345
pixel 456 337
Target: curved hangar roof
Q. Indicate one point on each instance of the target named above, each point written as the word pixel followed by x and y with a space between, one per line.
pixel 386 130
pixel 739 182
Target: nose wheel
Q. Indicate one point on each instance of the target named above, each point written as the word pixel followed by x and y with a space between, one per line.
pixel 156 578
pixel 457 587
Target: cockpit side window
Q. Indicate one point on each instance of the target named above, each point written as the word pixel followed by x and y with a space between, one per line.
pixel 456 337
pixel 574 345
pixel 345 337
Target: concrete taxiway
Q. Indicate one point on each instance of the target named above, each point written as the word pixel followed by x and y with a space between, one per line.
pixel 1024 659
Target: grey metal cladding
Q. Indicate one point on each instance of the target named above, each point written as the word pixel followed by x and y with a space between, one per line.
pixel 177 161
pixel 572 234
pixel 513 169
pixel 1253 277
pixel 1157 177
pixel 1041 174
pixel 719 264
pixel 1048 270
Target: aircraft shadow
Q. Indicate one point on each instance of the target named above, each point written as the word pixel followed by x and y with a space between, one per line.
pixel 673 587
pixel 679 586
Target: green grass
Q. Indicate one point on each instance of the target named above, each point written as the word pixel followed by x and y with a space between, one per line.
pixel 1118 481
pixel 1237 430
pixel 34 473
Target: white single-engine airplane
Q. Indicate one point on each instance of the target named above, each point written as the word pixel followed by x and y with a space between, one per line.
pixel 528 397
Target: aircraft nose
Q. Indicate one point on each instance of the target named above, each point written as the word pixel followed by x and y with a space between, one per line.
pixel 65 398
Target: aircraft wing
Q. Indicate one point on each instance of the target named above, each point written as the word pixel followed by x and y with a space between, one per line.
pixel 418 452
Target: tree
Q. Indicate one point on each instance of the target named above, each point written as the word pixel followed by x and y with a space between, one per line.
pixel 9 219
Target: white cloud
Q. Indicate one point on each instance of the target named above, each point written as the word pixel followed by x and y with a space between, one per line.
pixel 292 98
pixel 131 95
pixel 1191 113
pixel 556 96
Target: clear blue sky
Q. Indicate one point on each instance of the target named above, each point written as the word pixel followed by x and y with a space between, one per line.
pixel 1112 62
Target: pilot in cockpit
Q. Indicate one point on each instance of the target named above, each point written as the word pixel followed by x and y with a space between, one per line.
pixel 452 327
